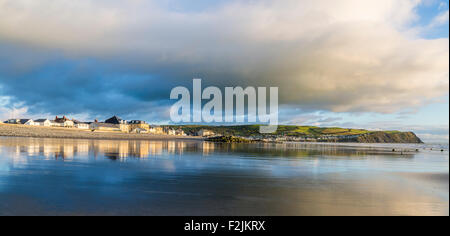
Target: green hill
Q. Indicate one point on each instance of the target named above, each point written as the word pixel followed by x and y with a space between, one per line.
pixel 286 130
pixel 330 134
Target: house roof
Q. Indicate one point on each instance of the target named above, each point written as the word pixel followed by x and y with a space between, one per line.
pixel 41 120
pixel 23 121
pixel 62 119
pixel 80 122
pixel 114 120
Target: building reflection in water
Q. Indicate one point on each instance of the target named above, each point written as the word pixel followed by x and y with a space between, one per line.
pixel 382 185
pixel 68 149
pixel 208 148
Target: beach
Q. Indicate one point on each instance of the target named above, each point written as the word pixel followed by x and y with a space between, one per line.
pixel 41 176
pixel 8 130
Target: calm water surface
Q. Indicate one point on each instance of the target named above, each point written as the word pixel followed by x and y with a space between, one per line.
pixel 101 177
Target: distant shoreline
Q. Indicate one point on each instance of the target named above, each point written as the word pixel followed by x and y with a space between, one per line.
pixel 288 133
pixel 7 130
pixel 14 130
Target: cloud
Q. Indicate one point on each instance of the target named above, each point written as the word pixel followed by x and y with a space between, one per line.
pixel 440 19
pixel 12 113
pixel 442 5
pixel 105 57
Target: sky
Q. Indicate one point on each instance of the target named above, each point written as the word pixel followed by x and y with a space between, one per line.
pixel 373 64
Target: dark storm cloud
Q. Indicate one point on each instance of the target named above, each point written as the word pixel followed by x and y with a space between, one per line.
pixel 48 82
pixel 124 59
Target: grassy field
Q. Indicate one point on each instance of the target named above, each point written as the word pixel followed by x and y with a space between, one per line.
pixel 288 130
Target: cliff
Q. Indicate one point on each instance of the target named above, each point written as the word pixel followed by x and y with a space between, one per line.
pixel 385 137
pixel 306 133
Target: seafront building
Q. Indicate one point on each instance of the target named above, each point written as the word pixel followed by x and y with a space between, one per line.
pixel 139 131
pixel 113 124
pixel 26 122
pixel 98 126
pixel 205 133
pixel 156 130
pixel 62 122
pixel 81 125
pixel 180 132
pixel 42 122
pixel 20 121
pixel 138 126
pixel 171 132
pixel 13 121
pixel 116 120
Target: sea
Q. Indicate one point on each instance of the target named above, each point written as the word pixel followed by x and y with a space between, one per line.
pixel 188 178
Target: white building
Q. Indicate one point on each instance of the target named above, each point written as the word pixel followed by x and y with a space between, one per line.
pixel 81 125
pixel 180 132
pixel 42 122
pixel 55 124
pixel 13 121
pixel 171 132
pixel 205 133
pixel 63 122
pixel 156 130
pixel 26 122
pixel 139 131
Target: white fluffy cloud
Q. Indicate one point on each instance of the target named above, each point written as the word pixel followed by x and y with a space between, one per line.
pixel 11 112
pixel 440 19
pixel 347 55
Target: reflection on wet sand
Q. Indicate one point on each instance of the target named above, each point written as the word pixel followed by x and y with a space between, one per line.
pixel 113 177
pixel 113 149
pixel 118 149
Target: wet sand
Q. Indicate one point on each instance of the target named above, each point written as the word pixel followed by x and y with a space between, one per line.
pixel 8 130
pixel 441 178
pixel 180 177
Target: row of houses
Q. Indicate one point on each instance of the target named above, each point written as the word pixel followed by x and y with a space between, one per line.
pixel 113 124
pixel 57 122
